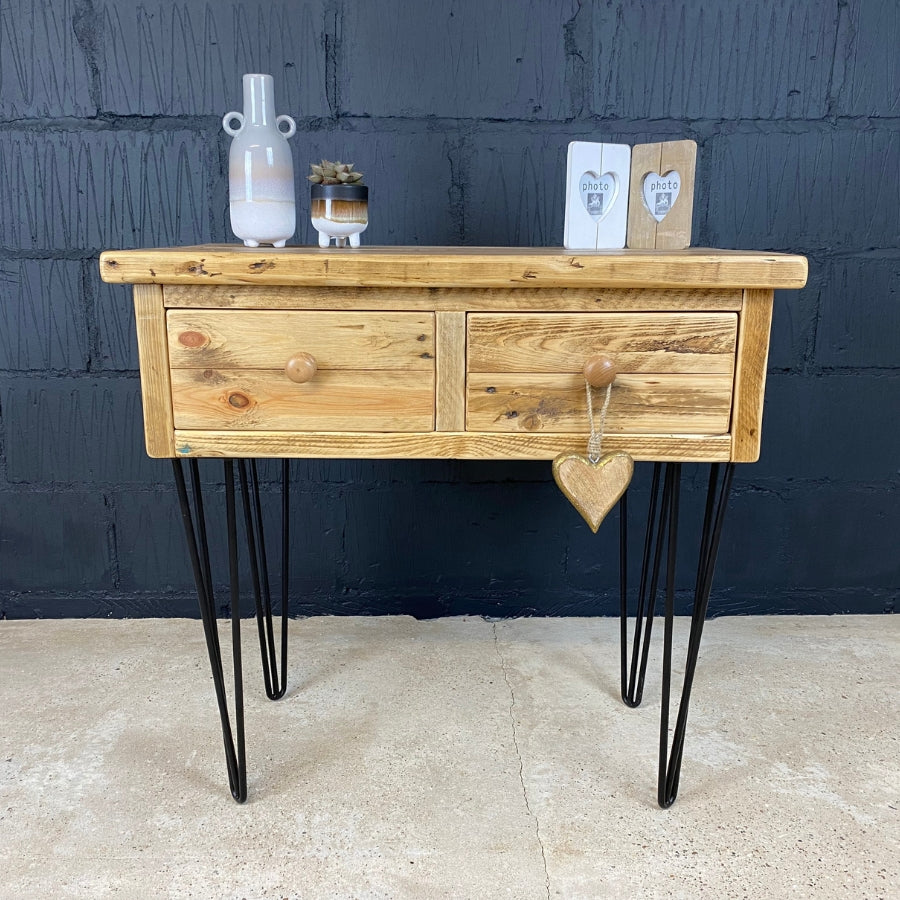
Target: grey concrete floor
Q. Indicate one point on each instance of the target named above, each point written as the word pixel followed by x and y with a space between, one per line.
pixel 455 758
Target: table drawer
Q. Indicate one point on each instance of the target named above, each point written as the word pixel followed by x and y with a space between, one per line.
pixel 375 372
pixel 266 339
pixel 676 371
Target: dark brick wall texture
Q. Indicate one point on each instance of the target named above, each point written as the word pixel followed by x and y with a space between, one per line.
pixel 459 113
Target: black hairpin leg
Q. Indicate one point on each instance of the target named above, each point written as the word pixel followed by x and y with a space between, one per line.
pixel 259 572
pixel 663 529
pixel 198 549
pixel 714 516
pixel 633 676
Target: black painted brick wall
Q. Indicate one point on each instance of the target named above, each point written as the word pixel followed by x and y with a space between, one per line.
pixel 459 113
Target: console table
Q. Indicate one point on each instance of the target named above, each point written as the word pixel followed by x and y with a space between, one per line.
pixel 468 353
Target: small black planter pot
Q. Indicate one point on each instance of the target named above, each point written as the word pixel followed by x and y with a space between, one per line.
pixel 339 211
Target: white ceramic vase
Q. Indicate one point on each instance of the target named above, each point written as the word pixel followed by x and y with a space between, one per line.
pixel 260 168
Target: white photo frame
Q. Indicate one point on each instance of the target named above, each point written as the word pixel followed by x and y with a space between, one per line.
pixel 597 186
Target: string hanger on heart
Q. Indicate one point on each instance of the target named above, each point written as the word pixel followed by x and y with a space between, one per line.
pixel 595 482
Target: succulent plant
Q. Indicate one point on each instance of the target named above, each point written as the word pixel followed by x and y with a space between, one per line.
pixel 334 173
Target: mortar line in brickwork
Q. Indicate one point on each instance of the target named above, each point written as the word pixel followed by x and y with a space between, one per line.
pixel 330 489
pixel 853 371
pixel 892 252
pixel 201 122
pixel 809 351
pixel 112 544
pixel 830 94
pixel 76 255
pixel 89 488
pixel 97 373
pixel 333 40
pixel 4 473
pixel 759 485
pixel 68 124
pixel 87 26
pixel 63 375
pixel 88 305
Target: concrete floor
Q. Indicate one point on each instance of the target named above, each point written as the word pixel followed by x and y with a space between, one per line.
pixel 454 758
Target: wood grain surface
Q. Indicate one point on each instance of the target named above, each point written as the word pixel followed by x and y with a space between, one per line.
pixel 639 404
pixel 525 267
pixel 636 342
pixel 466 445
pixel 337 399
pixel 267 339
pixel 444 299
pixel 450 393
pixel 674 231
pixel 593 488
pixel 750 375
pixel 497 370
pixel 156 391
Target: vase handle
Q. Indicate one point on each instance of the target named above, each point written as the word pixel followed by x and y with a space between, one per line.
pixel 226 122
pixel 292 126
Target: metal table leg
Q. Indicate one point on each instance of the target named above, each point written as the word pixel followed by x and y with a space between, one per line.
pixel 661 533
pixel 662 529
pixel 259 572
pixel 198 549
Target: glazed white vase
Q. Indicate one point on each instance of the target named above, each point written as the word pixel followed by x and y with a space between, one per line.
pixel 260 168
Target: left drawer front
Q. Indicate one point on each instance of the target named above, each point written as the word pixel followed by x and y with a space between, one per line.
pixel 375 371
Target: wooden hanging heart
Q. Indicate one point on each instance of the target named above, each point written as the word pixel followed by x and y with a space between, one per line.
pixel 593 488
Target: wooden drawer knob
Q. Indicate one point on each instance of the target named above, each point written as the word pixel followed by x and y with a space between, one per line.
pixel 600 371
pixel 301 368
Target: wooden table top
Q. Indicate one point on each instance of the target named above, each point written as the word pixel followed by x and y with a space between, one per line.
pixel 476 267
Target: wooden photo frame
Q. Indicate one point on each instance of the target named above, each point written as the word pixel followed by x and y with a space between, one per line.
pixel 661 196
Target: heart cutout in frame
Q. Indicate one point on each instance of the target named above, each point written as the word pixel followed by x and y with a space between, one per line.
pixel 598 193
pixel 593 488
pixel 660 193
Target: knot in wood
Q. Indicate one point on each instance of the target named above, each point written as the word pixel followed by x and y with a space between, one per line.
pixel 192 339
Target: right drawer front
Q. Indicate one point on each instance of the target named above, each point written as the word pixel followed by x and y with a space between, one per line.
pixel 676 371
